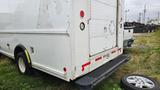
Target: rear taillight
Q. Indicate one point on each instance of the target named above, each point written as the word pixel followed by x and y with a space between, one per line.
pixel 65 69
pixel 81 13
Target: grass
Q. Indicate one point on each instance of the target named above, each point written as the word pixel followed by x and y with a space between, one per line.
pixel 145 60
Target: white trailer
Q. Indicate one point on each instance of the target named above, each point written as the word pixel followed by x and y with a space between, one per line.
pixel 65 38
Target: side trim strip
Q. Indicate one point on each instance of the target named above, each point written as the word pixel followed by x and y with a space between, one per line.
pixel 26 52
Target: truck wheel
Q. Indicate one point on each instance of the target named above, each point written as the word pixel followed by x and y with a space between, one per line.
pixel 138 82
pixel 0 55
pixel 22 63
pixel 129 44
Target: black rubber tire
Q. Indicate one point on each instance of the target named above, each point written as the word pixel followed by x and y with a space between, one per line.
pixel 1 55
pixel 126 86
pixel 130 42
pixel 28 69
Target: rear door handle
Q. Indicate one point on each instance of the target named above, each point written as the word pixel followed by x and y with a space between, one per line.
pixel 88 20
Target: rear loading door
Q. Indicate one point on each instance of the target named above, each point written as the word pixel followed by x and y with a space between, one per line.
pixel 102 25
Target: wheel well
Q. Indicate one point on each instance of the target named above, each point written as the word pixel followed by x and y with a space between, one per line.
pixel 21 48
pixel 18 49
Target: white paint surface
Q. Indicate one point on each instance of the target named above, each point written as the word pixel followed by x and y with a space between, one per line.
pixel 49 30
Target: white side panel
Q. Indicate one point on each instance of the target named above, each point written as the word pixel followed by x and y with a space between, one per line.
pixel 34 14
pixel 19 14
pixel 49 52
pixel 54 14
pixel 41 26
pixel 102 26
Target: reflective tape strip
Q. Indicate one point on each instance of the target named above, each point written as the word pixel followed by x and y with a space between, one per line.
pixel 113 52
pixel 26 52
pixel 85 65
pixel 99 58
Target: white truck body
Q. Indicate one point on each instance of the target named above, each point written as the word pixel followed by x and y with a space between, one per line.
pixel 128 36
pixel 128 33
pixel 50 32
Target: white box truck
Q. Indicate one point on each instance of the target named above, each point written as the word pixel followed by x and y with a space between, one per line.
pixel 74 40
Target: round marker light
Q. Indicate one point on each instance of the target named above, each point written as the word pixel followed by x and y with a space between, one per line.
pixel 82 26
pixel 82 13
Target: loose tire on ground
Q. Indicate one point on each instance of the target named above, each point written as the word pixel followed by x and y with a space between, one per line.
pixel 22 63
pixel 138 82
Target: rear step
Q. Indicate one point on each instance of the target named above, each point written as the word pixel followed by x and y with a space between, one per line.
pixel 90 80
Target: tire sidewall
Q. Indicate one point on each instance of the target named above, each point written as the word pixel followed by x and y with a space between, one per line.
pixel 126 86
pixel 27 65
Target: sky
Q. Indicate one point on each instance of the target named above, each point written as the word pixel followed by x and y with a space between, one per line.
pixel 137 6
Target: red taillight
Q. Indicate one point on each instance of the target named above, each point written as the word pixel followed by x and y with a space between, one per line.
pixel 82 13
pixel 65 69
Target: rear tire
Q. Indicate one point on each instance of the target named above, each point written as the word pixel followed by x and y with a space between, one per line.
pixel 22 63
pixel 1 55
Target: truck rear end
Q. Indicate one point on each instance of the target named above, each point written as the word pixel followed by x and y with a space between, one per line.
pixel 98 40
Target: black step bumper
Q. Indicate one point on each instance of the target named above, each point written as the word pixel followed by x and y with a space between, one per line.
pixel 92 79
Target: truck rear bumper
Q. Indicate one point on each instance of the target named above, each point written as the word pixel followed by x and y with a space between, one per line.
pixel 92 79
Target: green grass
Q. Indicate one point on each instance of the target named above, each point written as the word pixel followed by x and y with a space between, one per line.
pixel 145 60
